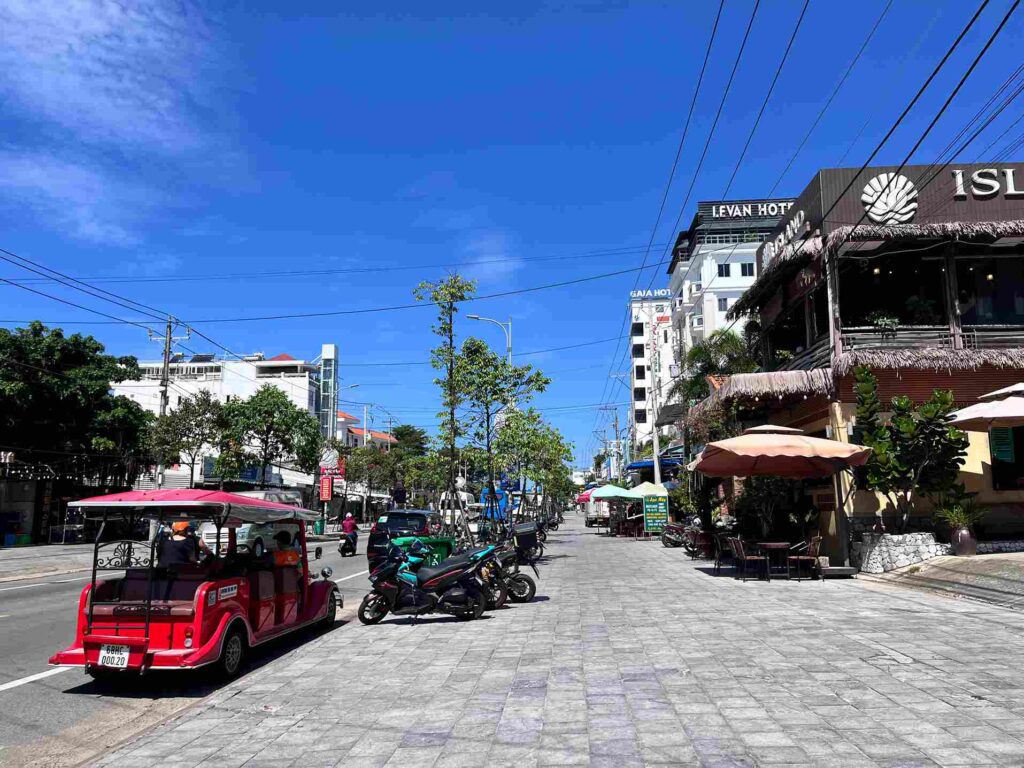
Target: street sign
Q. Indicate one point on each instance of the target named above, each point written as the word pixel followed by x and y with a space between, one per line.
pixel 326 487
pixel 655 513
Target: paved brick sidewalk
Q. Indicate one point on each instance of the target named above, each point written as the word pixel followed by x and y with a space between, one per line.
pixel 633 656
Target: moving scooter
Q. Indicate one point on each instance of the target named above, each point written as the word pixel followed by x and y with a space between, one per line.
pixel 347 545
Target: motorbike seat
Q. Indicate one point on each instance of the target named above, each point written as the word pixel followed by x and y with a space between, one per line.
pixel 450 565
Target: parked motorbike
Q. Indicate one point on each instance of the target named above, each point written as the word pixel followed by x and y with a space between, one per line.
pixel 347 545
pixel 453 587
pixel 521 588
pixel 673 535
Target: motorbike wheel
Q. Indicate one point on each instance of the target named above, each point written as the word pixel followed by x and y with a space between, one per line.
pixel 499 595
pixel 521 588
pixel 667 542
pixel 542 536
pixel 477 610
pixel 373 608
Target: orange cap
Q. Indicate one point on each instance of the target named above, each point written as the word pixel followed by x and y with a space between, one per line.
pixel 179 527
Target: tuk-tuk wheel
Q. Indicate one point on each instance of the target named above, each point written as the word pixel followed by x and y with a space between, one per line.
pixel 232 654
pixel 332 610
pixel 257 549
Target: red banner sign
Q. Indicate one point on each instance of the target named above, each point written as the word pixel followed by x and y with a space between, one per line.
pixel 326 487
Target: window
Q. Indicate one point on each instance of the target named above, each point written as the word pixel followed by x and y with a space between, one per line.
pixel 1007 447
pixel 747 269
pixel 640 372
pixel 724 270
pixel 639 394
pixel 640 416
pixel 638 350
pixel 638 329
pixel 697 321
pixel 723 305
pixel 664 336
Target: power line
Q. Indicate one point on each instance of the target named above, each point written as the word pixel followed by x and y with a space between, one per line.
pixel 622 251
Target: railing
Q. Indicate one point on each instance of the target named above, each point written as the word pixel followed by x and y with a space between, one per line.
pixel 818 355
pixel 912 336
pixel 993 336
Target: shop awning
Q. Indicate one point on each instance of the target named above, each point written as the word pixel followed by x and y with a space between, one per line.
pixel 649 464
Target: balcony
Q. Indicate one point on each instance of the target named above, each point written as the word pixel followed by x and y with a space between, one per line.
pixel 818 355
pixel 911 336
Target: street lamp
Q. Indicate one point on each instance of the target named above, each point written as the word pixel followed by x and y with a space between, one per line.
pixel 506 327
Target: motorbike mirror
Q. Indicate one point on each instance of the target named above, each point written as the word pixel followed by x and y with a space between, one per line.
pixel 327 572
pixel 318 553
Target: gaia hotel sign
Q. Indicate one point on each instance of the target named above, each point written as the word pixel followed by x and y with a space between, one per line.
pixel 656 293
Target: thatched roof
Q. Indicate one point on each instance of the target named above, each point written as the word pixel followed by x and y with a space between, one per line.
pixel 770 384
pixel 669 414
pixel 929 358
pixel 794 257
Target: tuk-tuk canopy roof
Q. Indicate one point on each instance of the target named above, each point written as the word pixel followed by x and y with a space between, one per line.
pixel 195 502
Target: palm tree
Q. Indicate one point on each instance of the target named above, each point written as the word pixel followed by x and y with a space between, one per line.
pixel 723 353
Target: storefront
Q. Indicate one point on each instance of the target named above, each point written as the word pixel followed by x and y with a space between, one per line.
pixel 916 272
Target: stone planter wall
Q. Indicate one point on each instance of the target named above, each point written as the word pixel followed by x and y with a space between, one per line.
pixel 881 552
pixel 991 547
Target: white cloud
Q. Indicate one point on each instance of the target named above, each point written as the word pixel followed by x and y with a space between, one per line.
pixel 101 100
pixel 107 71
pixel 491 261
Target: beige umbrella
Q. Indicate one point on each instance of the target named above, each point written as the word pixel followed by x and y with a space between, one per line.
pixel 981 417
pixel 779 452
pixel 1013 389
pixel 650 489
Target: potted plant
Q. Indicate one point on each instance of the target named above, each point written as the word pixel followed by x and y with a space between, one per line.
pixel 961 517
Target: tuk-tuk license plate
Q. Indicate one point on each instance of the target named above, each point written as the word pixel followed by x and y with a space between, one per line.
pixel 114 656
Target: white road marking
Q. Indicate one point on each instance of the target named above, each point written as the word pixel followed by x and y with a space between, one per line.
pixel 32 678
pixel 346 578
pixel 43 584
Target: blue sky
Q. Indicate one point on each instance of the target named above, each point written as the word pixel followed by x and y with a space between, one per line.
pixel 164 139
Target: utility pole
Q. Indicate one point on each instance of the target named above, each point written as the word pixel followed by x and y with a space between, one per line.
pixel 389 433
pixel 655 380
pixel 366 423
pixel 165 382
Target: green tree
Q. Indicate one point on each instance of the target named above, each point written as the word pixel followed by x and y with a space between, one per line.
pixel 194 424
pixel 266 426
pixel 56 407
pixel 492 385
pixel 446 296
pixel 917 451
pixel 722 353
pixel 412 441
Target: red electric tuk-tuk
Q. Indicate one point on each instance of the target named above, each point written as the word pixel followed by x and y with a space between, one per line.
pixel 149 617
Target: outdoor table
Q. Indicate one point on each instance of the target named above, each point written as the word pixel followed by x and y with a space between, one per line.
pixel 772 547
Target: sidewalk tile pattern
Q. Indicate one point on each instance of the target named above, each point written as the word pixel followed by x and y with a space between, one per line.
pixel 632 655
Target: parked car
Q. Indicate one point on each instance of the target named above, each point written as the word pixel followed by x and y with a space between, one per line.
pixel 391 525
pixel 254 538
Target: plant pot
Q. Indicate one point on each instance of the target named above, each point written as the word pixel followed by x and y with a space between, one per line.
pixel 964 543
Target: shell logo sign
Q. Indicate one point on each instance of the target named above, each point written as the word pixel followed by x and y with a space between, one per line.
pixel 890 198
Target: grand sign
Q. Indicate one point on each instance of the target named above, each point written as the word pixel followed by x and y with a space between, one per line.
pixel 893 196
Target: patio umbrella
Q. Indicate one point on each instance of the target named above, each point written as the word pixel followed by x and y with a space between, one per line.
pixel 606 492
pixel 779 452
pixel 650 489
pixel 1013 389
pixel 1007 411
pixel 584 497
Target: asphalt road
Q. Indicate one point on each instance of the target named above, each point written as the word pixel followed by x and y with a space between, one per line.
pixel 63 718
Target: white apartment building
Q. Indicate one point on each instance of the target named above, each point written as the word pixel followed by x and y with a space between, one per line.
pixel 652 346
pixel 235 379
pixel 714 262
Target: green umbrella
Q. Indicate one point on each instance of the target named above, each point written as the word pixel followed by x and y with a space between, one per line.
pixel 606 492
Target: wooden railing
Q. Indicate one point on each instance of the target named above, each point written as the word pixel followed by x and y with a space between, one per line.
pixel 913 336
pixel 993 336
pixel 818 355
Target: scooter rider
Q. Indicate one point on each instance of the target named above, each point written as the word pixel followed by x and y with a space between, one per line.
pixel 349 527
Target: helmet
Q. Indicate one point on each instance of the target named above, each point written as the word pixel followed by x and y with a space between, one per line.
pixel 348 515
pixel 180 527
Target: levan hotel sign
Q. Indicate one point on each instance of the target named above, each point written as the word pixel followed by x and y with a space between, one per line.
pixel 892 196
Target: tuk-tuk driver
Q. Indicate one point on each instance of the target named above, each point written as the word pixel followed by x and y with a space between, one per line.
pixel 182 547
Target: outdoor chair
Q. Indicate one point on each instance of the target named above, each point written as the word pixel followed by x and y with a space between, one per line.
pixel 745 561
pixel 723 552
pixel 808 558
